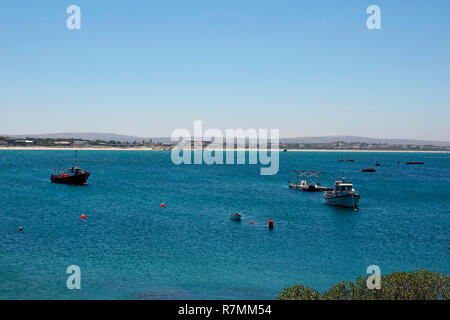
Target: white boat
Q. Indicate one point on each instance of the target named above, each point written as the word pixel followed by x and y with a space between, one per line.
pixel 343 195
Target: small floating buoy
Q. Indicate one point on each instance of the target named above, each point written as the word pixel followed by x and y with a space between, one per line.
pixel 163 205
pixel 83 217
pixel 252 222
pixel 20 228
pixel 270 223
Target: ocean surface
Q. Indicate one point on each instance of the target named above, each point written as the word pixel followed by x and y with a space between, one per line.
pixel 129 247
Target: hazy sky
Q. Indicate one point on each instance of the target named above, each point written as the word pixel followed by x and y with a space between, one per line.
pixel 148 67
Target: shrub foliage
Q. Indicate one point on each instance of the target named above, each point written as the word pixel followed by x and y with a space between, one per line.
pixel 415 285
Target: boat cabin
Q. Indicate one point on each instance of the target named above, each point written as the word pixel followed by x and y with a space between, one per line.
pixel 344 186
pixel 74 170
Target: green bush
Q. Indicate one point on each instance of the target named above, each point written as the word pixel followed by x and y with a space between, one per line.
pixel 299 292
pixel 414 285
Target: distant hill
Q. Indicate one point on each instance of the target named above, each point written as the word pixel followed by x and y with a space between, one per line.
pixel 92 136
pixel 352 139
pixel 304 140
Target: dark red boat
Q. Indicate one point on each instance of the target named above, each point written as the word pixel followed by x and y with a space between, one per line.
pixel 74 175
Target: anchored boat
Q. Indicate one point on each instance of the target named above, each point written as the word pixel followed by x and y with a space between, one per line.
pixel 235 216
pixel 308 181
pixel 343 195
pixel 74 175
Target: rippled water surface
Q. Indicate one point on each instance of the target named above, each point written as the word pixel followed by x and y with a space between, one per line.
pixel 131 248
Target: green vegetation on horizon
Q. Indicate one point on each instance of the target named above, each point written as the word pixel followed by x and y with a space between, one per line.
pixel 50 142
pixel 338 145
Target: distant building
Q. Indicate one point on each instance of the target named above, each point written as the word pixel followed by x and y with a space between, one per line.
pixel 81 143
pixel 190 144
pixel 3 143
pixel 23 142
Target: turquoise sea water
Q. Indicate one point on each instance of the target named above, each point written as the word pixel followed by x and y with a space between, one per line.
pixel 131 248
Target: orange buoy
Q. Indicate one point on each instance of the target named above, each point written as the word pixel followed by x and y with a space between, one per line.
pixel 163 205
pixel 270 223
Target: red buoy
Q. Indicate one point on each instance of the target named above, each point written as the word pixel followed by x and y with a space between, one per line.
pixel 163 205
pixel 270 223
pixel 252 222
pixel 83 216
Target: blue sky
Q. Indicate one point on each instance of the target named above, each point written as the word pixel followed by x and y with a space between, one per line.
pixel 148 67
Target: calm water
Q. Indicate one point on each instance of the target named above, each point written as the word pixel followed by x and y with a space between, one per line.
pixel 131 248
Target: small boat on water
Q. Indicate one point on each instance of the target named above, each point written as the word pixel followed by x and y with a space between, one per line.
pixel 304 186
pixel 346 160
pixel 415 162
pixel 235 216
pixel 343 195
pixel 377 164
pixel 305 182
pixel 74 175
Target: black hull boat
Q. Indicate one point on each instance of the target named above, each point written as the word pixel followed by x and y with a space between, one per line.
pixel 74 175
pixel 309 187
pixel 235 216
pixel 76 179
pixel 308 184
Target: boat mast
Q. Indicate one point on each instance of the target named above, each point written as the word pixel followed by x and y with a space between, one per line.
pixel 76 158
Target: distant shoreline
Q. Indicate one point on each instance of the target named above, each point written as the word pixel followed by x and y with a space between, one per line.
pixel 239 149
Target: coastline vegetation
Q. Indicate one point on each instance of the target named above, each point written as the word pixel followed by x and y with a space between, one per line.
pixel 415 285
pixel 77 143
pixel 336 146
